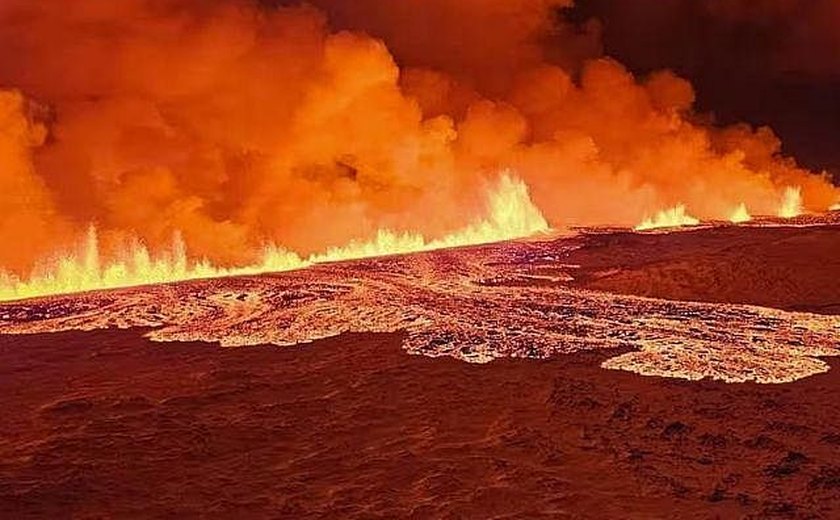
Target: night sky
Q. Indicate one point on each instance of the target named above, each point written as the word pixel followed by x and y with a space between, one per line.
pixel 766 62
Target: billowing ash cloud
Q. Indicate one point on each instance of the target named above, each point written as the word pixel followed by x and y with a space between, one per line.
pixel 773 62
pixel 238 123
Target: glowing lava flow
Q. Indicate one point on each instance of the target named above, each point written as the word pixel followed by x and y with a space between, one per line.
pixel 474 304
pixel 512 214
pixel 669 218
pixel 791 203
pixel 86 272
pixel 741 214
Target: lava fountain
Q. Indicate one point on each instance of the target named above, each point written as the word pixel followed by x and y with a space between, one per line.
pixel 511 214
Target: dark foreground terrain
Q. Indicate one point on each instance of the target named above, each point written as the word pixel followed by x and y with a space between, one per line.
pixel 795 269
pixel 109 424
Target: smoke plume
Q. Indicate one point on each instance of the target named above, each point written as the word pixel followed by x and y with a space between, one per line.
pixel 240 123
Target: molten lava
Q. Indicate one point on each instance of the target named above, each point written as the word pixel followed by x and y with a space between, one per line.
pixel 669 218
pixel 478 304
pixel 511 214
pixel 791 203
pixel 234 124
pixel 740 215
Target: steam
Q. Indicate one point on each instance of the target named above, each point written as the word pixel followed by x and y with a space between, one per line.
pixel 233 125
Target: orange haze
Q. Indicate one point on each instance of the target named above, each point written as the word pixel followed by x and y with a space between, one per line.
pixel 236 124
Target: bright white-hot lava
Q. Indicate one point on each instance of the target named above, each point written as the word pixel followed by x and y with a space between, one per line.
pixel 510 214
pixel 741 214
pixel 474 304
pixel 241 123
pixel 669 218
pixel 791 203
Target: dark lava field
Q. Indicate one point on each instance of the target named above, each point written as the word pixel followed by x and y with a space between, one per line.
pixel 599 375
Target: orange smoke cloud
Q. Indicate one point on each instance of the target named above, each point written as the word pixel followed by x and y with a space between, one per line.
pixel 29 226
pixel 237 124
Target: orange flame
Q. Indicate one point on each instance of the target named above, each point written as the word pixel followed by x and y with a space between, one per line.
pixel 511 214
pixel 158 118
pixel 669 218
pixel 740 215
pixel 791 203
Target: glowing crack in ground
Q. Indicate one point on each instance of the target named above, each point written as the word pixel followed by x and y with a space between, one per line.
pixel 476 304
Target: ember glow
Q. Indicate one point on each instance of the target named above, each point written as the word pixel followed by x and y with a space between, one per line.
pixel 234 124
